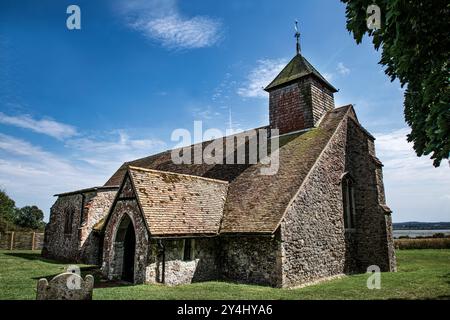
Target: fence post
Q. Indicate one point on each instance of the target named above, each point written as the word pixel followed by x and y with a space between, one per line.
pixel 33 241
pixel 12 241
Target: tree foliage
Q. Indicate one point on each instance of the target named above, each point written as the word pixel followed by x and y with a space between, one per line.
pixel 7 210
pixel 415 41
pixel 29 217
pixel 12 218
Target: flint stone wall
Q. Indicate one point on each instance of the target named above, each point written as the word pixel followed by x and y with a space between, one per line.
pixel 314 243
pixel 312 231
pixel 203 265
pixel 255 260
pixel 96 207
pixel 57 244
pixel 373 234
pixel 82 244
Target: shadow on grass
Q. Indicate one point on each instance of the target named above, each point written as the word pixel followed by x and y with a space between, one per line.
pixel 32 256
pixel 99 281
pixel 84 271
pixel 447 277
pixel 102 283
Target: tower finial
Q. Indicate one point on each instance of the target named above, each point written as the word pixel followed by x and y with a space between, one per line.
pixel 297 35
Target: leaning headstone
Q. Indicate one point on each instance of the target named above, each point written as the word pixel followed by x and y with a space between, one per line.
pixel 66 286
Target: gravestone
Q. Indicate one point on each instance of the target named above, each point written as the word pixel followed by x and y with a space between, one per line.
pixel 66 286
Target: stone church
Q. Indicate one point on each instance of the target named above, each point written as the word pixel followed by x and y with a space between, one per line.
pixel 322 214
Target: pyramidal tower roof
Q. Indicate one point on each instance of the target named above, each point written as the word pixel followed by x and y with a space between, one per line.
pixel 296 69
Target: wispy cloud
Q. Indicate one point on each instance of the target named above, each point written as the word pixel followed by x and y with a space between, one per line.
pixel 48 127
pixel 221 94
pixel 108 152
pixel 342 69
pixel 260 76
pixel 415 189
pixel 39 158
pixel 31 175
pixel 206 113
pixel 161 21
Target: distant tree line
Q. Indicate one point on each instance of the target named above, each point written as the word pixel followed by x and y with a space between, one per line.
pixel 421 225
pixel 19 219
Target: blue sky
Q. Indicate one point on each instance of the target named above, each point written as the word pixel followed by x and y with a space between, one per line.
pixel 75 104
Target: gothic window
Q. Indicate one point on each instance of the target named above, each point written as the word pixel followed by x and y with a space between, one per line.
pixel 68 213
pixel 188 249
pixel 348 198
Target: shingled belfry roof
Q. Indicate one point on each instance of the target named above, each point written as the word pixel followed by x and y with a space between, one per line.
pixel 297 68
pixel 254 203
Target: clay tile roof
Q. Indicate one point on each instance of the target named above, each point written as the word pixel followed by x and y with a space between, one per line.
pixel 297 68
pixel 179 204
pixel 254 203
pixel 163 162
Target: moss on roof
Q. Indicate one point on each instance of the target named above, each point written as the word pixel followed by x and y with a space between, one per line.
pixel 181 204
pixel 98 227
pixel 297 68
pixel 255 203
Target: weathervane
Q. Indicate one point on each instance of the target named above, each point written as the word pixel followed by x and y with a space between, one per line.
pixel 297 35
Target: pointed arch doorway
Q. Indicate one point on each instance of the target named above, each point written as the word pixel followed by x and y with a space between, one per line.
pixel 125 249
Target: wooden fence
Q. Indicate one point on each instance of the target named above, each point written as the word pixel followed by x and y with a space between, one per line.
pixel 21 240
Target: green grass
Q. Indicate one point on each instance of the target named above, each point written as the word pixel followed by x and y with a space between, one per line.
pixel 422 274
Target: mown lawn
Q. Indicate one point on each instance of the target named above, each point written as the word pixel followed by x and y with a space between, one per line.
pixel 422 274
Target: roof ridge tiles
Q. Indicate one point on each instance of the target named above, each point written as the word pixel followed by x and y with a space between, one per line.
pixel 177 174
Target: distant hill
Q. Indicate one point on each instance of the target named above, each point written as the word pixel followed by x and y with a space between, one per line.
pixel 413 225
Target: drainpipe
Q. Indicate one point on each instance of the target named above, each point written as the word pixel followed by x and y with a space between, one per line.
pixel 80 227
pixel 83 200
pixel 162 250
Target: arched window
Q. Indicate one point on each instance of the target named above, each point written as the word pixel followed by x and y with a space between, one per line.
pixel 348 199
pixel 69 213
